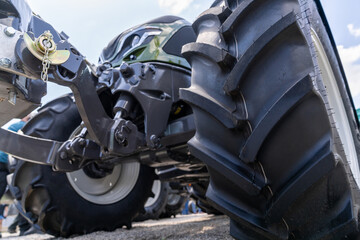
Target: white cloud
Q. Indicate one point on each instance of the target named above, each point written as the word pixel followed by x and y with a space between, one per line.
pixel 353 31
pixel 175 6
pixel 197 6
pixel 350 58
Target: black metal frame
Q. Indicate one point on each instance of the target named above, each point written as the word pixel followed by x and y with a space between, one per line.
pixel 109 135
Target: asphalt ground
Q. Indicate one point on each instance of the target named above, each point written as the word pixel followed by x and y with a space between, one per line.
pixel 195 226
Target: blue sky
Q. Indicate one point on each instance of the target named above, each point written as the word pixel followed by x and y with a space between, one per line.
pixel 92 24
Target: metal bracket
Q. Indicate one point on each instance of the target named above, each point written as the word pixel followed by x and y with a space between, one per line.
pixel 8 40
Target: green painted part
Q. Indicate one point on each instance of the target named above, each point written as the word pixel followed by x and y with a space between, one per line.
pixel 358 113
pixel 153 51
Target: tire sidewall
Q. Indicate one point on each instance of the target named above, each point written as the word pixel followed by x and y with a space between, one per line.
pixel 335 63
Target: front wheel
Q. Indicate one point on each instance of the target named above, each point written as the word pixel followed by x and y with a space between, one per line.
pixel 80 202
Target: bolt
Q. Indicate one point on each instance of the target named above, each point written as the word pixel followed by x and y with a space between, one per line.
pixel 120 137
pixel 10 31
pixel 5 62
pixel 133 81
pixel 163 96
pixel 82 142
pixel 110 184
pixel 70 162
pixel 126 127
pixel 153 138
pixel 63 155
pixel 152 69
pixel 155 141
pixel 126 70
pixel 46 43
pixel 143 71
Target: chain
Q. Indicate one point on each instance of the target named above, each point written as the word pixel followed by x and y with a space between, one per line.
pixel 46 61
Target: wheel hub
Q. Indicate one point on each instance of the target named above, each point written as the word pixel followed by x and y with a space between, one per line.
pixel 109 189
pixel 104 184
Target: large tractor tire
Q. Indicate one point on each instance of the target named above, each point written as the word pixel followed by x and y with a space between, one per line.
pixel 275 121
pixel 65 204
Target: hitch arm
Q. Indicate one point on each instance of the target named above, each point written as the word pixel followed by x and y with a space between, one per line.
pixel 62 156
pixel 102 129
pixel 31 149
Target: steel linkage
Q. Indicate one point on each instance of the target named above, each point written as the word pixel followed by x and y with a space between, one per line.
pixel 149 88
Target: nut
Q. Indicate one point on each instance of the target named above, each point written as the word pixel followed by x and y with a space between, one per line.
pixel 9 31
pixel 5 62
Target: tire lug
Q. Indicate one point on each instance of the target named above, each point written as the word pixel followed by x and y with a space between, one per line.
pixel 129 225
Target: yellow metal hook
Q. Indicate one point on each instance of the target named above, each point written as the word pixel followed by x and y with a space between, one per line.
pixel 37 48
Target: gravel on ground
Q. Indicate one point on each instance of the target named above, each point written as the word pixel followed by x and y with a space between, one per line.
pixel 183 227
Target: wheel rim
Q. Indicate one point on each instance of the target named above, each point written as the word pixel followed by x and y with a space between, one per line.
pixel 173 199
pixel 109 189
pixel 339 113
pixel 156 189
